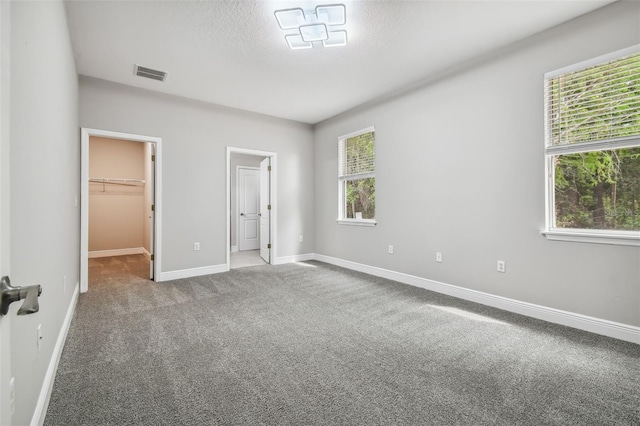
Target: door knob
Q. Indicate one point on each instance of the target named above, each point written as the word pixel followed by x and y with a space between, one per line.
pixel 241 214
pixel 12 294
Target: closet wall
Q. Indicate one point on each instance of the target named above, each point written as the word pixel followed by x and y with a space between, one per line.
pixel 116 211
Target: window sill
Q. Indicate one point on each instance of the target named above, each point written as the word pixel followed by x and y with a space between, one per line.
pixel 357 222
pixel 596 237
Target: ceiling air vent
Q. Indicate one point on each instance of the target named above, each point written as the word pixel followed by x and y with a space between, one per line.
pixel 149 73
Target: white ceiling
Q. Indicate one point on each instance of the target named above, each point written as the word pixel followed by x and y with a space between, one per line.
pixel 233 53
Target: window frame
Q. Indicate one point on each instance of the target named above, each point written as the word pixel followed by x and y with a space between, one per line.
pixel 342 220
pixel 597 236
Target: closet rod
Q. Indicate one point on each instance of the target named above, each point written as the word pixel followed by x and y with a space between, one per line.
pixel 116 180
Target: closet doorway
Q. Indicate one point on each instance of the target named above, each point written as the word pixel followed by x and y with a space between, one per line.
pixel 120 208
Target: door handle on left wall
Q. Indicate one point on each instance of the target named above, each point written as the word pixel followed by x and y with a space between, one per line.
pixel 12 294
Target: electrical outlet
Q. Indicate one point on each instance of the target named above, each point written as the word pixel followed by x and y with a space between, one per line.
pixel 390 249
pixel 196 246
pixel 439 257
pixel 300 238
pixel 12 395
pixel 502 266
pixel 39 333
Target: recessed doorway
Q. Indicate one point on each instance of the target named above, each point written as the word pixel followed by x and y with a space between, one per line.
pixel 120 201
pixel 251 207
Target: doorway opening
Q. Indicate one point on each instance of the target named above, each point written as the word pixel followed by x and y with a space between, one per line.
pixel 251 207
pixel 120 204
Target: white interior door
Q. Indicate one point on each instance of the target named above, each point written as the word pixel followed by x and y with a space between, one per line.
pixel 6 385
pixel 6 408
pixel 5 325
pixel 248 208
pixel 151 178
pixel 265 210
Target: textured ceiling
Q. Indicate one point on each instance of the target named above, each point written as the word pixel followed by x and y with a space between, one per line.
pixel 233 53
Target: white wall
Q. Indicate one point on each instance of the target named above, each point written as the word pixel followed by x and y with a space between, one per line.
pixel 44 186
pixel 460 170
pixel 116 212
pixel 194 137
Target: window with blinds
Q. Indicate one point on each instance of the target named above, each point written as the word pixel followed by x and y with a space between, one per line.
pixel 592 146
pixel 356 176
pixel 598 103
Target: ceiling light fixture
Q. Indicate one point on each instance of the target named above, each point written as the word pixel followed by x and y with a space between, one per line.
pixel 295 41
pixel 323 24
pixel 314 32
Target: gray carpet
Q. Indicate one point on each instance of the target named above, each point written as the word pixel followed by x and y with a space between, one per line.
pixel 314 344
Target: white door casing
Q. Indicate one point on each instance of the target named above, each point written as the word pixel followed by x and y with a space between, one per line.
pixel 248 197
pixel 151 164
pixel 265 212
pixel 273 187
pixel 86 133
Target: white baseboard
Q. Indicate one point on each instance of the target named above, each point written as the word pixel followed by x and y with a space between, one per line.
pixel 216 269
pixel 613 329
pixel 47 385
pixel 146 253
pixel 117 252
pixel 295 258
pixel 234 249
pixel 193 272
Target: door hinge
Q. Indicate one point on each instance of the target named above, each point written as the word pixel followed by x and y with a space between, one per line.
pixel 268 246
pixel 152 257
pixel 153 207
pixel 153 158
pixel 268 206
pixel 268 168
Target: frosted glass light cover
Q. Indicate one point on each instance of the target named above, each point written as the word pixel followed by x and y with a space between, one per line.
pixel 295 41
pixel 332 14
pixel 336 39
pixel 304 26
pixel 314 32
pixel 290 19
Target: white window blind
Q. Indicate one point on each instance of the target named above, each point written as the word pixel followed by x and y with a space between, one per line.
pixel 600 102
pixel 356 158
pixel 592 149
